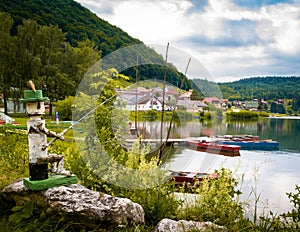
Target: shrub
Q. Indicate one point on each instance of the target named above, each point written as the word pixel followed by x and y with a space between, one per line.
pixel 263 114
pixel 64 108
pixel 292 218
pixel 13 155
pixel 243 114
pixel 218 201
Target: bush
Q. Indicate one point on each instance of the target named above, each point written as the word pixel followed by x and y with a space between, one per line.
pixel 151 114
pixel 64 108
pixel 243 114
pixel 263 114
pixel 217 202
pixel 13 155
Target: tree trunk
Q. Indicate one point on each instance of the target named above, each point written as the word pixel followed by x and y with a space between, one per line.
pixel 5 104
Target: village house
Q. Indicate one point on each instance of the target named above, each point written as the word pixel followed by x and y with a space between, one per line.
pixel 186 95
pixel 218 103
pixel 192 106
pixel 148 102
pixel 152 99
pixel 251 105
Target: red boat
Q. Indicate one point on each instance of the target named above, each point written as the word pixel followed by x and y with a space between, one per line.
pixel 215 148
pixel 190 177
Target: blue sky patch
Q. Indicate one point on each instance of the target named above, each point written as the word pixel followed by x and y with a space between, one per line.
pixel 198 6
pixel 257 4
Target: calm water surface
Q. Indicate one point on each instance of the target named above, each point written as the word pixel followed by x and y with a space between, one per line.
pixel 268 173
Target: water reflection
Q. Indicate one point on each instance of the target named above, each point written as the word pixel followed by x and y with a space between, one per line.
pixel 270 173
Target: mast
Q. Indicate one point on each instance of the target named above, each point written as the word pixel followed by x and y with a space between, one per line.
pixel 163 106
pixel 136 103
pixel 163 145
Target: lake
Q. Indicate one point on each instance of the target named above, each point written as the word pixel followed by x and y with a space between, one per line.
pixel 270 174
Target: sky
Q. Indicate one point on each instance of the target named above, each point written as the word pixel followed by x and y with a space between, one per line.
pixel 229 39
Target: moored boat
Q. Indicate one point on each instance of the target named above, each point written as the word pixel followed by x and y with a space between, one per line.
pixel 267 145
pixel 215 148
pixel 190 178
pixel 244 137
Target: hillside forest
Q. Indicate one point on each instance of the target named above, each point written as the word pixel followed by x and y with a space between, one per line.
pixel 54 43
pixel 270 89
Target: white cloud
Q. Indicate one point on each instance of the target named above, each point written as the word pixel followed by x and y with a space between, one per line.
pixel 281 24
pixel 229 40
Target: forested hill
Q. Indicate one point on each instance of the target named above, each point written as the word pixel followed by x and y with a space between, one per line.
pixel 268 88
pixel 79 24
pixel 76 21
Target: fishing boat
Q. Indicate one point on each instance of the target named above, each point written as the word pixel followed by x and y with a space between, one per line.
pixel 266 145
pixel 238 137
pixel 215 148
pixel 191 178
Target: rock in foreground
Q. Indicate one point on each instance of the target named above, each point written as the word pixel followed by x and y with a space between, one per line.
pixel 168 225
pixel 80 203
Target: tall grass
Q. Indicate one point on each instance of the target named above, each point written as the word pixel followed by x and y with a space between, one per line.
pixel 217 200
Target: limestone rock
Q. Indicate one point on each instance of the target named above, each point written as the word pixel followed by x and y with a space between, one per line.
pixel 80 203
pixel 168 225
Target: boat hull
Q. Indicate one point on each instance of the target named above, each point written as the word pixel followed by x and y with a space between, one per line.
pixel 190 178
pixel 215 148
pixel 254 145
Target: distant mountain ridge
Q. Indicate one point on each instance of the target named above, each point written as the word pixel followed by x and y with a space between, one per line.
pixel 79 24
pixel 268 88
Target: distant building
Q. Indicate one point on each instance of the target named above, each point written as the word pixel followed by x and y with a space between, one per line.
pixel 192 106
pixel 148 102
pixel 186 95
pixel 251 105
pixel 213 101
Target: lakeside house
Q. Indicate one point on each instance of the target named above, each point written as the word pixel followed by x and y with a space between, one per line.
pixel 251 105
pixel 218 103
pixel 152 99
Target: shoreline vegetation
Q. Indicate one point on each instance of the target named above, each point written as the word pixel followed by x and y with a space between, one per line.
pixel 218 200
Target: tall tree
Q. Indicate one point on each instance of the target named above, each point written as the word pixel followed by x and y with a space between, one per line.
pixel 7 57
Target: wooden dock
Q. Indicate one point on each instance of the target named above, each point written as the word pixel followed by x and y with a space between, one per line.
pixel 171 141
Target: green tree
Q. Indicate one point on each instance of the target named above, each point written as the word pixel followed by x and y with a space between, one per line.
pixel 273 107
pixel 7 58
pixel 195 96
pixel 64 108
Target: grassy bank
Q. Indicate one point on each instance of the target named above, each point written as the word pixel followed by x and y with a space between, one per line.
pixel 218 199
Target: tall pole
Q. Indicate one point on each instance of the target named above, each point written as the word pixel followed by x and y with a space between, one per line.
pixel 163 106
pixel 136 98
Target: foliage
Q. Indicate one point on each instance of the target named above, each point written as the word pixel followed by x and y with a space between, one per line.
pixel 64 108
pixel 205 114
pixel 79 24
pixel 218 201
pixel 207 88
pixel 277 108
pixel 267 88
pixel 292 218
pixel 13 155
pixel 41 54
pixel 151 114
pixel 7 56
pixel 242 114
pixel 263 114
pixel 158 201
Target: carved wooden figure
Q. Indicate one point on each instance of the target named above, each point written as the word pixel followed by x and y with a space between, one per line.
pixel 39 158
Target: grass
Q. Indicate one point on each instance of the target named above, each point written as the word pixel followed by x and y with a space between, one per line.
pixel 218 199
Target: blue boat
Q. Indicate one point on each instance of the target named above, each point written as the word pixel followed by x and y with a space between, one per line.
pixel 266 145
